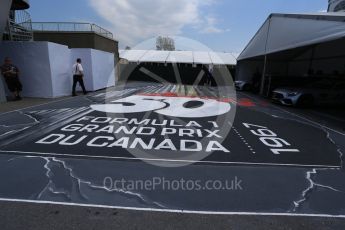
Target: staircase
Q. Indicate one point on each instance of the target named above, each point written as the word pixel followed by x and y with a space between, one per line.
pixel 19 32
pixel 19 27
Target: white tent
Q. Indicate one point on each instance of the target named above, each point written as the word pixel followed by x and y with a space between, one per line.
pixel 132 55
pixel 153 56
pixel 181 57
pixel 186 57
pixel 288 31
pixel 291 46
pixel 202 58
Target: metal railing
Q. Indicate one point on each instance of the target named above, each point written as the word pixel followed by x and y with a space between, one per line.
pixel 23 18
pixel 71 27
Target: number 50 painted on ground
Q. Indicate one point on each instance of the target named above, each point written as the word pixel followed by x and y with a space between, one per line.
pixel 168 106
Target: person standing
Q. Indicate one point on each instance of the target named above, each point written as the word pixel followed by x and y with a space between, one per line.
pixel 210 75
pixel 78 75
pixel 256 80
pixel 11 75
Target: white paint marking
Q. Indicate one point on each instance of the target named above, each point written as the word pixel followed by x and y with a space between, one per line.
pixel 167 160
pixel 174 210
pixel 243 140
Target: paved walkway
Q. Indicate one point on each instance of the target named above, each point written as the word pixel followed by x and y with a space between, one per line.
pixel 26 102
pixel 289 182
pixel 49 216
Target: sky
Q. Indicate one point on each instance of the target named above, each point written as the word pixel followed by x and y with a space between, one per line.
pixel 221 25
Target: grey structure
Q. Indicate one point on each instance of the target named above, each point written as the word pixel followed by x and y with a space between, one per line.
pixel 18 22
pixel 5 6
pixel 336 6
pixel 76 35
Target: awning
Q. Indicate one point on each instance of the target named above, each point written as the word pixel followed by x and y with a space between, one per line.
pixel 181 57
pixel 288 31
pixel 185 57
pixel 153 56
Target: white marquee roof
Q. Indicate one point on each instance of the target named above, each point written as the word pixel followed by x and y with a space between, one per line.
pixel 188 57
pixel 288 31
pixel 180 57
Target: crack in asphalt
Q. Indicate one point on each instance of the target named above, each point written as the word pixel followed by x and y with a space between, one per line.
pixel 307 193
pixel 312 186
pixel 29 116
pixel 339 150
pixel 19 127
pixel 50 186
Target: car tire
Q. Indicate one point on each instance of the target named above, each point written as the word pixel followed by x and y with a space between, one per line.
pixel 305 101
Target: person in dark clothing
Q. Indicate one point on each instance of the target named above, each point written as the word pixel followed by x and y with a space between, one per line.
pixel 256 80
pixel 78 75
pixel 209 75
pixel 11 75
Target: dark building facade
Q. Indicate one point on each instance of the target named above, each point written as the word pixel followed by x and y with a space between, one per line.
pixel 79 40
pixel 76 35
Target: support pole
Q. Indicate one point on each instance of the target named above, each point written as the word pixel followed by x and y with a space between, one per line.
pixel 311 59
pixel 263 78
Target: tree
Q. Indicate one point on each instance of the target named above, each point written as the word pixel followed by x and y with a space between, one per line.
pixel 165 43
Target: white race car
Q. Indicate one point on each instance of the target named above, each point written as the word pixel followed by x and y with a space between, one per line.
pixel 321 92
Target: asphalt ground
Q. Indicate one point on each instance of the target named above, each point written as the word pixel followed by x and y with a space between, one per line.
pixel 277 161
pixel 48 216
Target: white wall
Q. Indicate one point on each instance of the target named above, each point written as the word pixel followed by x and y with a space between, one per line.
pixel 61 74
pixel 46 68
pixel 2 91
pixel 103 69
pixel 85 55
pixel 99 68
pixel 32 59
